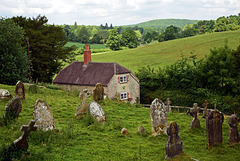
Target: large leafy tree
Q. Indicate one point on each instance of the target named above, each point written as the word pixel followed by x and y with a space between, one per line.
pixel 114 40
pixel 47 50
pixel 13 59
pixel 129 37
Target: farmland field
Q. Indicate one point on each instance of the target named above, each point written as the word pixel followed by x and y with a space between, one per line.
pixel 81 45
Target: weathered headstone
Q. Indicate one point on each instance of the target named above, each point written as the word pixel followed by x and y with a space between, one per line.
pixel 168 108
pixel 43 114
pixel 214 127
pixel 124 131
pixel 233 137
pixel 82 108
pixel 158 117
pixel 174 144
pixel 141 130
pixel 20 90
pixel 21 142
pixel 205 112
pixel 97 111
pixel 13 108
pixel 195 123
pixel 5 94
pixel 98 92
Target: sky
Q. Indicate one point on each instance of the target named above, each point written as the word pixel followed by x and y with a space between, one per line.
pixel 118 12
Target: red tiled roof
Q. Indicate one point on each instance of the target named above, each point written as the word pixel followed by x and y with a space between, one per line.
pixel 95 72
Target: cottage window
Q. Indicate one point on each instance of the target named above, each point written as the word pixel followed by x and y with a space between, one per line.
pixel 123 79
pixel 123 96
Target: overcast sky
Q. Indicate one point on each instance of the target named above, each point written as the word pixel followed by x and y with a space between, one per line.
pixel 118 12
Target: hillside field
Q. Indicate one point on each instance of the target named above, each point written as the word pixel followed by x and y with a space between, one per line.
pixel 80 45
pixel 84 139
pixel 166 53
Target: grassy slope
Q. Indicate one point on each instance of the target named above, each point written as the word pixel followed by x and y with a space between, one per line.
pixel 78 141
pixel 163 23
pixel 166 53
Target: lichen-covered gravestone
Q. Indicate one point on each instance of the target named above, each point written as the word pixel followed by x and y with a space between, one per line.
pixel 98 92
pixel 168 108
pixel 174 144
pixel 233 137
pixel 97 111
pixel 21 142
pixel 82 108
pixel 205 112
pixel 20 90
pixel 195 123
pixel 43 114
pixel 158 117
pixel 5 94
pixel 13 108
pixel 214 127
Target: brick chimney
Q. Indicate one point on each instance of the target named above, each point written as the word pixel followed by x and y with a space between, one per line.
pixel 87 55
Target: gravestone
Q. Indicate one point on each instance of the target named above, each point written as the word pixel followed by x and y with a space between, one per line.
pixel 233 137
pixel 5 94
pixel 43 114
pixel 195 123
pixel 205 112
pixel 124 131
pixel 174 144
pixel 98 92
pixel 20 90
pixel 97 111
pixel 141 130
pixel 13 108
pixel 81 110
pixel 168 108
pixel 158 117
pixel 21 142
pixel 214 127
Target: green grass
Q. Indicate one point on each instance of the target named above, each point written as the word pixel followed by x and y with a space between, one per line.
pixel 166 53
pixel 77 139
pixel 80 45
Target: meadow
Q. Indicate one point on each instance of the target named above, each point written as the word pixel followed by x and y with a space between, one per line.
pixel 86 139
pixel 81 45
pixel 168 52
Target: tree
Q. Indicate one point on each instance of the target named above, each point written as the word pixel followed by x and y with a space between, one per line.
pixel 13 66
pixel 129 38
pixel 82 34
pixel 47 50
pixel 113 41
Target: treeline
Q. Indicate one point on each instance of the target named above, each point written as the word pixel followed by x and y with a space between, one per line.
pixel 215 77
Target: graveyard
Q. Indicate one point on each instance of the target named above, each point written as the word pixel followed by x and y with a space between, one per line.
pixel 84 138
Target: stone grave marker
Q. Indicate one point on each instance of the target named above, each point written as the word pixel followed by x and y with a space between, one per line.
pixel 195 123
pixel 13 108
pixel 5 94
pixel 214 127
pixel 98 92
pixel 81 110
pixel 168 108
pixel 20 90
pixel 205 112
pixel 174 144
pixel 43 114
pixel 141 130
pixel 124 131
pixel 97 111
pixel 233 137
pixel 158 117
pixel 21 142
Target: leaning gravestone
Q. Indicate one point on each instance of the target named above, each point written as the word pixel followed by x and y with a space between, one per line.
pixel 214 127
pixel 21 142
pixel 97 111
pixel 82 108
pixel 195 123
pixel 13 108
pixel 158 117
pixel 20 90
pixel 98 92
pixel 43 114
pixel 233 137
pixel 174 144
pixel 5 94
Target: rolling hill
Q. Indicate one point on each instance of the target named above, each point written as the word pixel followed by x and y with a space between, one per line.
pixel 164 23
pixel 166 53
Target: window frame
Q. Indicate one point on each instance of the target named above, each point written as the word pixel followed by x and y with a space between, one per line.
pixel 123 79
pixel 124 95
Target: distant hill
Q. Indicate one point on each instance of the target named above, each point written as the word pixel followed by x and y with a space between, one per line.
pixel 168 52
pixel 164 23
